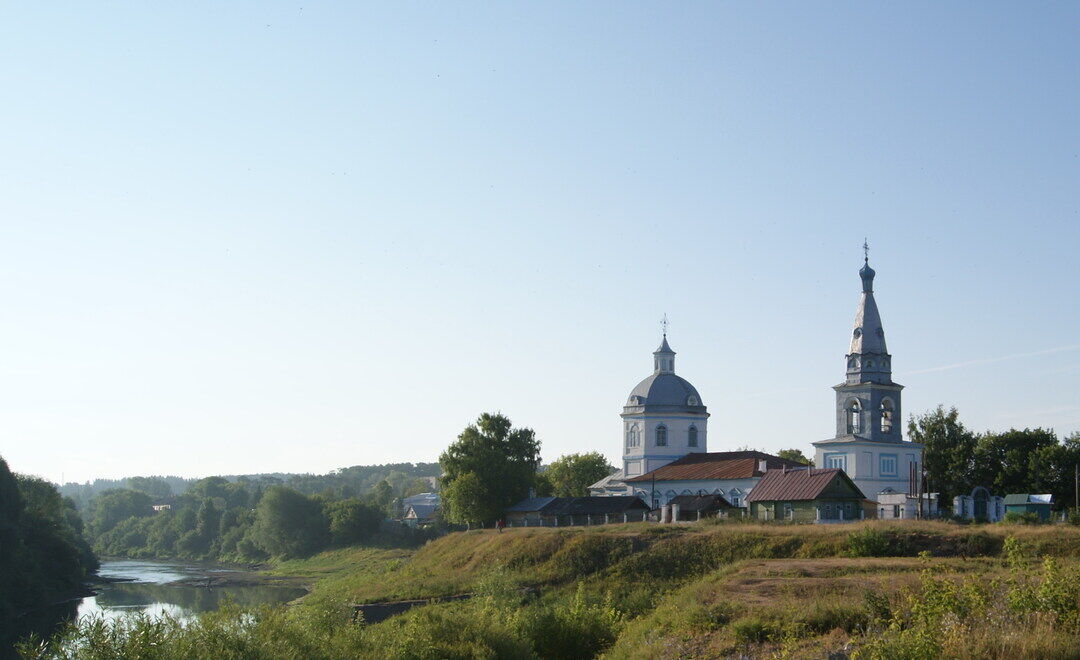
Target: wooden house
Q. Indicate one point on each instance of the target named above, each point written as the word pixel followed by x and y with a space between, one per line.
pixel 811 495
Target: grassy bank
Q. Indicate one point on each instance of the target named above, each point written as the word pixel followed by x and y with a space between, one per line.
pixel 879 589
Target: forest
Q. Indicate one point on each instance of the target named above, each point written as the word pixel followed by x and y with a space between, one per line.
pixel 43 555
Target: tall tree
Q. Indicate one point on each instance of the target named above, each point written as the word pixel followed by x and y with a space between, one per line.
pixel 289 524
pixel 948 451
pixel 572 474
pixel 794 455
pixel 1009 462
pixel 502 461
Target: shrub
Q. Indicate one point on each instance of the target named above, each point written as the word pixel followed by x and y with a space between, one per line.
pixel 867 542
pixel 755 630
pixel 1016 518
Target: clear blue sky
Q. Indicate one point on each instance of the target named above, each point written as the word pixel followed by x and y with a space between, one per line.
pixel 254 237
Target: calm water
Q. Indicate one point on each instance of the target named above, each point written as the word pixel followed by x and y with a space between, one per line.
pixel 149 592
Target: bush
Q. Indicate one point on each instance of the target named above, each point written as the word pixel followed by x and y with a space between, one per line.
pixel 1026 518
pixel 867 542
pixel 755 630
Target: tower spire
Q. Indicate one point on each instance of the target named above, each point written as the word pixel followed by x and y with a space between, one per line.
pixel 664 357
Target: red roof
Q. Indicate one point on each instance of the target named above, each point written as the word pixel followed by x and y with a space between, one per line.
pixel 805 484
pixel 717 465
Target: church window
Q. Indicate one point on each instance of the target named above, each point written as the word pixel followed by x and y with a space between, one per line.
pixel 837 461
pixel 854 416
pixel 869 364
pixel 692 401
pixel 887 465
pixel 886 416
pixel 691 437
pixel 661 436
pixel 851 363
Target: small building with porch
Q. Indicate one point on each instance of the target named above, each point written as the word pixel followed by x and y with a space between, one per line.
pixel 1022 503
pixel 809 495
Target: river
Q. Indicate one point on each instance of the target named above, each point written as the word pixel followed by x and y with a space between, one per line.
pixel 136 585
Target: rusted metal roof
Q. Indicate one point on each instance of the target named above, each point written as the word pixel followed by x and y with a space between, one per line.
pixel 717 465
pixel 803 484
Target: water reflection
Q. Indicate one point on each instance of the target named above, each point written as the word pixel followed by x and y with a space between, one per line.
pixel 179 601
pixel 148 592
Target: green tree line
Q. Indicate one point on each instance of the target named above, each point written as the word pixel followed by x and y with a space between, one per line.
pixel 43 553
pixel 957 459
pixel 218 519
pixel 346 482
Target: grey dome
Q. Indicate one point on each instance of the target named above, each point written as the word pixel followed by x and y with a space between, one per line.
pixel 668 390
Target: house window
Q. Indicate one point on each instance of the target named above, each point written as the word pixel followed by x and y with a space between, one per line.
pixel 735 501
pixel 854 411
pixel 838 461
pixel 887 465
pixel 691 437
pixel 661 436
pixel 787 510
pixel 886 416
pixel 896 511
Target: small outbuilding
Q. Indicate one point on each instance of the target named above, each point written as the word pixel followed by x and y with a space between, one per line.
pixel 901 506
pixel 592 510
pixel 696 507
pixel 1026 503
pixel 812 495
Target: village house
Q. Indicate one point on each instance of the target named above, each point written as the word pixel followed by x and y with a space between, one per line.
pixel 683 508
pixel 811 495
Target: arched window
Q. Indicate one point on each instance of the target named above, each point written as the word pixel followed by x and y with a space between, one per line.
pixel 854 417
pixel 661 436
pixel 691 436
pixel 886 415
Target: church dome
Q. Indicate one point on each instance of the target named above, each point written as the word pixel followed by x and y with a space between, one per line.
pixel 668 390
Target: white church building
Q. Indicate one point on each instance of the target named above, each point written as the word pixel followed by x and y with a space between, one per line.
pixel 665 430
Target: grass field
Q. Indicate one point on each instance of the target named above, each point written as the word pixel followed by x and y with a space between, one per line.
pixel 879 589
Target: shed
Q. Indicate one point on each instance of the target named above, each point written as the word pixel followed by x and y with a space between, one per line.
pixel 1027 503
pixel 696 507
pixel 806 495
pixel 576 510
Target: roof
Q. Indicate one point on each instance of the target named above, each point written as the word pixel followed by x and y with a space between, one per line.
pixel 530 504
pixel 700 502
pixel 717 465
pixel 1025 498
pixel 616 476
pixel 592 505
pixel 421 511
pixel 803 484
pixel 664 347
pixel 596 505
pixel 665 388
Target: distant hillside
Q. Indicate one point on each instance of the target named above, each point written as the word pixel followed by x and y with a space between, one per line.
pixel 350 481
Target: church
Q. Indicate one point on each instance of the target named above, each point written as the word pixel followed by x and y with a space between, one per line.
pixel 665 430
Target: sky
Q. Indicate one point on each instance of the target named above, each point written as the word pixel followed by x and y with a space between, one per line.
pixel 250 237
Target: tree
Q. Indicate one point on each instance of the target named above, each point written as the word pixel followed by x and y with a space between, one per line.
pixel 352 520
pixel 502 461
pixel 948 452
pixel 794 455
pixel 1009 462
pixel 113 506
pixel 289 524
pixel 572 474
pixel 155 487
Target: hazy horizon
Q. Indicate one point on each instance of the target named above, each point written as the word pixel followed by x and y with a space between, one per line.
pixel 272 238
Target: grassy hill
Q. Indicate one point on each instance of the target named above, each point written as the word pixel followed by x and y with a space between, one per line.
pixel 710 589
